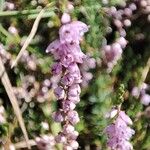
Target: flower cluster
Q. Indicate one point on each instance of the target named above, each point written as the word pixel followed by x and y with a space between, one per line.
pixel 121 18
pixel 88 63
pixel 119 133
pixel 141 92
pixel 68 56
pixel 112 53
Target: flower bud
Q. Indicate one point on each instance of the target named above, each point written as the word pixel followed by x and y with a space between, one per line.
pixel 57 116
pixel 59 92
pixel 60 138
pixel 65 18
pixel 73 117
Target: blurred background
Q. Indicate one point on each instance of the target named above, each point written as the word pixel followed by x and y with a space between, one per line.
pixel 111 22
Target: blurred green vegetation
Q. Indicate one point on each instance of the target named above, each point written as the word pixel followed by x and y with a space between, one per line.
pixel 101 94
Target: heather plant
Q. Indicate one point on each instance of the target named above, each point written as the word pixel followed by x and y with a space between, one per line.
pixel 91 90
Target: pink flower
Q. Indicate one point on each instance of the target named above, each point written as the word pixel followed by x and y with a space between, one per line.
pixel 67 60
pixel 73 117
pixel 72 32
pixel 122 41
pixel 65 18
pixel 57 116
pixel 67 80
pixel 119 133
pixel 68 54
pixel 125 118
pixel 74 90
pixel 57 68
pixel 145 99
pixel 59 92
pixel 60 138
pixel 68 105
pixel 68 129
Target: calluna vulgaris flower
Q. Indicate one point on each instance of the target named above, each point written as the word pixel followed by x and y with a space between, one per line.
pixel 141 92
pixel 119 133
pixel 112 53
pixel 68 56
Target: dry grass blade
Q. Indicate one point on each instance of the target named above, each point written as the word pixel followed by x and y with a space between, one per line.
pixel 146 70
pixel 8 87
pixel 31 35
pixel 23 144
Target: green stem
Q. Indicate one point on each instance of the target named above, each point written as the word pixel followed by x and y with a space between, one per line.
pixel 23 12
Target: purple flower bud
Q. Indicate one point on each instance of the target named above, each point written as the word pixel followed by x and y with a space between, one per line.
pixel 73 68
pixel 60 138
pixel 59 92
pixel 87 76
pixel 74 90
pixel 118 23
pixel 53 47
pixel 73 117
pixel 73 135
pixel 47 82
pixel 56 69
pixel 122 41
pixel 68 129
pixel 65 18
pixel 132 6
pixel 67 80
pixel 68 105
pixel 72 32
pixel 74 99
pixel 125 118
pixel 127 22
pixel 74 144
pixel 67 147
pixel 117 49
pixel 70 7
pixel 57 116
pixel 143 3
pixel 13 30
pixel 135 92
pixel 128 12
pixel 91 63
pixel 145 99
pixel 67 60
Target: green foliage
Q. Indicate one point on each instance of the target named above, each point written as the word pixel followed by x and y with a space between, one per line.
pixel 103 92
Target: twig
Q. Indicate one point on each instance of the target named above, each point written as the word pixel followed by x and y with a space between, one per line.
pixel 8 87
pixel 31 35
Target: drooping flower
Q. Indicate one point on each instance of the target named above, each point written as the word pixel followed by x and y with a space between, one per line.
pixel 67 52
pixel 119 133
